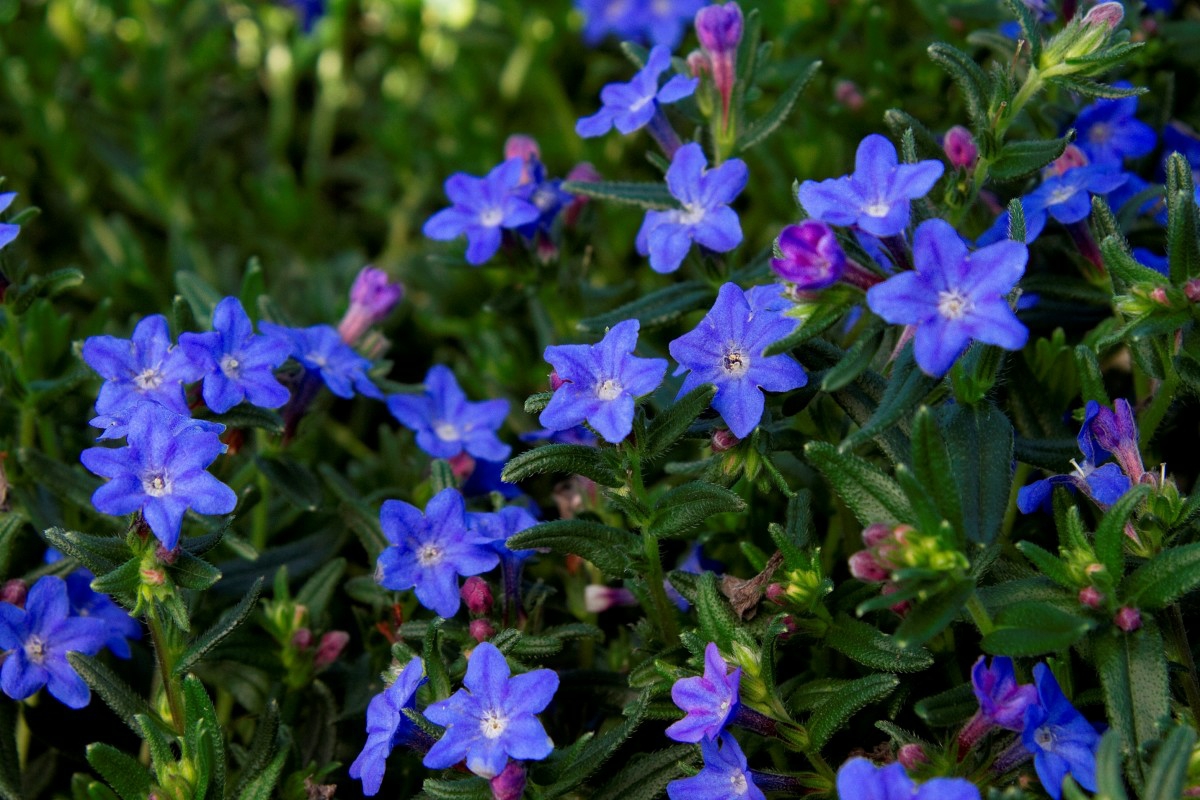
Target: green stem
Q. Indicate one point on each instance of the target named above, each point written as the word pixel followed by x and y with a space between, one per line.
pixel 979 614
pixel 663 609
pixel 165 656
pixel 1010 514
pixel 1152 417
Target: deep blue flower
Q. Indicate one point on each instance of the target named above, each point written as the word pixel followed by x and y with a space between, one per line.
pixel 1061 740
pixel 662 22
pixel 859 779
pixel 1002 701
pixel 482 207
pixel 428 552
pixel 321 350
pixel 709 700
pixel 308 12
pixel 953 296
pixel 236 364
pixel 811 256
pixel 85 602
pixel 577 435
pixel 500 525
pixel 877 195
pixel 162 473
pixel 1109 130
pixel 1154 261
pixel 1103 483
pixel 1182 139
pixel 600 383
pixel 630 106
pixel 8 231
pixel 726 349
pixel 116 425
pixel 446 423
pixel 706 218
pixel 1066 197
pixel 144 367
pixel 39 637
pixel 492 719
pixel 485 479
pixel 725 776
pixel 388 726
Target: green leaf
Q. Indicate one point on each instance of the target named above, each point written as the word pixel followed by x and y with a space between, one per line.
pixel 1183 245
pixel 653 310
pixel 1021 159
pixel 201 296
pixel 930 616
pixel 318 589
pixel 669 426
pixel 928 145
pixel 124 701
pixel 1030 30
pixel 536 403
pixel 1091 380
pixel 907 387
pixel 932 467
pixel 359 516
pixel 122 582
pixel 646 775
pixel 718 623
pixel 1034 628
pixel 1109 783
pixel 471 788
pixel 1164 579
pixel 610 549
pixel 67 483
pixel 251 416
pixel 182 318
pixel 562 459
pixel 793 538
pixel 826 315
pixel 870 494
pixel 203 739
pixel 263 785
pixel 633 193
pixel 293 480
pixel 10 762
pixel 49 285
pixel 683 508
pixel 979 440
pixel 1168 773
pixel 1110 533
pixel 767 124
pixel 968 75
pixel 832 715
pixel 263 749
pixel 124 774
pixel 193 573
pixel 225 625
pixel 1133 675
pixel 1016 220
pixel 1126 270
pixel 1092 89
pixel 856 360
pixel 948 708
pixel 161 755
pixel 867 645
pixel 1048 564
pixel 597 750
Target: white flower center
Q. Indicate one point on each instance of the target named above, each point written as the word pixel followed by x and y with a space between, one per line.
pixel 447 432
pixel 429 555
pixel 317 359
pixel 691 214
pixel 1100 133
pixel 724 705
pixel 492 217
pixel 149 379
pixel 492 724
pixel 230 365
pixel 1044 737
pixel 738 784
pixel 35 649
pixel 608 390
pixel 641 102
pixel 156 485
pixel 1062 195
pixel 735 362
pixel 877 209
pixel 953 304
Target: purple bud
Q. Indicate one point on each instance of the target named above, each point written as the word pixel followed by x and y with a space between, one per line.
pixel 719 28
pixel 372 298
pixel 477 595
pixel 776 594
pixel 331 646
pixel 811 256
pixel 481 630
pixel 912 755
pixel 848 94
pixel 865 567
pixel 555 381
pixel 1106 14
pixel 1090 596
pixel 1071 158
pixel 302 639
pixel 1128 619
pixel 1191 290
pixel 598 598
pixel 1116 431
pixel 509 784
pixel 462 466
pixel 876 534
pixel 523 147
pixel 960 147
pixel 14 592
pixel 723 439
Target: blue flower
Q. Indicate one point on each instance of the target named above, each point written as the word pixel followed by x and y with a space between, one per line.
pixel 321 351
pixel 600 383
pixel 726 349
pixel 876 196
pixel 708 700
pixel 145 367
pixel 446 423
pixel 116 425
pixel 1061 740
pixel 429 551
pixel 492 719
pixel 162 473
pixel 577 435
pixel 1002 701
pixel 706 218
pixel 388 726
pixel 85 602
pixel 661 22
pixel 1109 132
pixel 1067 197
pixel 859 779
pixel 8 231
pixel 630 106
pixel 725 776
pixel 236 364
pixel 500 525
pixel 953 296
pixel 482 206
pixel 39 637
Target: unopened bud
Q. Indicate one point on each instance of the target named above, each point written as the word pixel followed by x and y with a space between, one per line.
pixel 1128 619
pixel 719 28
pixel 509 784
pixel 1071 158
pixel 698 64
pixel 153 577
pixel 776 594
pixel 901 608
pixel 166 556
pixel 302 639
pixel 598 598
pixel 525 148
pixel 876 534
pixel 372 297
pixel 477 595
pixel 811 256
pixel 723 439
pixel 960 148
pixel 331 646
pixel 865 567
pixel 1090 596
pixel 481 629
pixel 14 592
pixel 1191 290
pixel 582 172
pixel 912 755
pixel 1107 14
pixel 462 466
pixel 847 94
pixel 1159 295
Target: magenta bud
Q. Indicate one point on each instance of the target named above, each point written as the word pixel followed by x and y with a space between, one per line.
pixel 1090 596
pixel 912 755
pixel 462 465
pixel 166 556
pixel 960 148
pixel 14 592
pixel 865 567
pixel 372 297
pixel 1128 619
pixel 719 28
pixel 723 439
pixel 477 595
pixel 901 608
pixel 776 594
pixel 811 257
pixel 699 64
pixel 510 783
pixel 481 629
pixel 1159 295
pixel 598 598
pixel 847 93
pixel 1191 290
pixel 876 534
pixel 1071 158
pixel 521 146
pixel 1107 14
pixel 555 381
pixel 331 646
pixel 302 639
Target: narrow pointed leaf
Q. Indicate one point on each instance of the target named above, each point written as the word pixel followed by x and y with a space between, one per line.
pixel 561 459
pixel 129 779
pixel 672 423
pixel 610 549
pixel 767 124
pixel 833 714
pixel 683 508
pixel 867 645
pixel 870 494
pixel 225 625
pixel 653 310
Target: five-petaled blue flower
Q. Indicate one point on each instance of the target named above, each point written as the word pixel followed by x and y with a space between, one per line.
pixel 1002 701
pixel 482 207
pixel 709 699
pixel 86 602
pixel 877 195
pixel 145 367
pixel 953 296
pixel 162 472
pixel 388 726
pixel 630 106
pixel 429 551
pixel 446 423
pixel 236 364
pixel 39 637
pixel 706 218
pixel 859 779
pixel 1061 740
pixel 492 719
pixel 1066 197
pixel 1109 130
pixel 725 776
pixel 320 350
pixel 498 526
pixel 661 22
pixel 726 349
pixel 600 383
pixel 1103 483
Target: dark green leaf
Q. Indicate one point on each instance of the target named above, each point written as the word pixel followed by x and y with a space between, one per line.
pixel 655 309
pixel 867 645
pixel 251 416
pixel 718 623
pixel 536 403
pixel 471 788
pixel 293 480
pixel 856 360
pixel 931 615
pixel 667 427
pixel 929 146
pixel 948 708
pixel 870 494
pixel 1126 270
pixel 263 749
pixel 1048 564
pixel 793 538
pixel 562 459
pixel 225 625
pixel 1033 629
pixel 67 483
pixel 193 573
pixel 646 776
pixel 979 440
pixel 124 774
pixel 968 75
pixel 932 467
pixel 907 387
pixel 1021 159
pixel 822 319
pixel 203 738
pixel 1183 245
pixel 318 589
pixel 1133 675
pixel 1109 783
pixel 10 763
pixel 853 697
pixel 597 750
pixel 1110 534
pixel 610 549
pixel 122 582
pixel 1163 579
pixel 161 755
pixel 202 297
pixel 641 194
pixel 124 701
pixel 765 125
pixel 1168 773
pixel 683 508
pixel 1030 31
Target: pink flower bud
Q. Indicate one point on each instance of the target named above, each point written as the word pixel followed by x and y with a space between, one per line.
pixel 901 608
pixel 331 646
pixel 960 148
pixel 912 755
pixel 523 147
pixel 166 556
pixel 1090 596
pixel 719 28
pixel 509 784
pixel 462 466
pixel 847 94
pixel 698 64
pixel 865 567
pixel 776 594
pixel 582 172
pixel 481 629
pixel 153 577
pixel 1159 295
pixel 1071 158
pixel 372 298
pixel 1191 290
pixel 477 595
pixel 1107 14
pixel 302 639
pixel 597 599
pixel 14 592
pixel 876 534
pixel 723 439
pixel 1128 619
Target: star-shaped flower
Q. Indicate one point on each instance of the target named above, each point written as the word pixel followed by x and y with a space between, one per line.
pixel 1002 701
pixel 726 775
pixel 877 195
pixel 321 350
pixel 726 349
pixel 709 700
pixel 859 779
pixel 630 106
pixel 86 602
pixel 600 383
pixel 446 423
pixel 144 367
pixel 706 218
pixel 661 22
pixel 236 364
pixel 1061 740
pixel 953 296
pixel 492 719
pixel 482 207
pixel 388 726
pixel 1109 130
